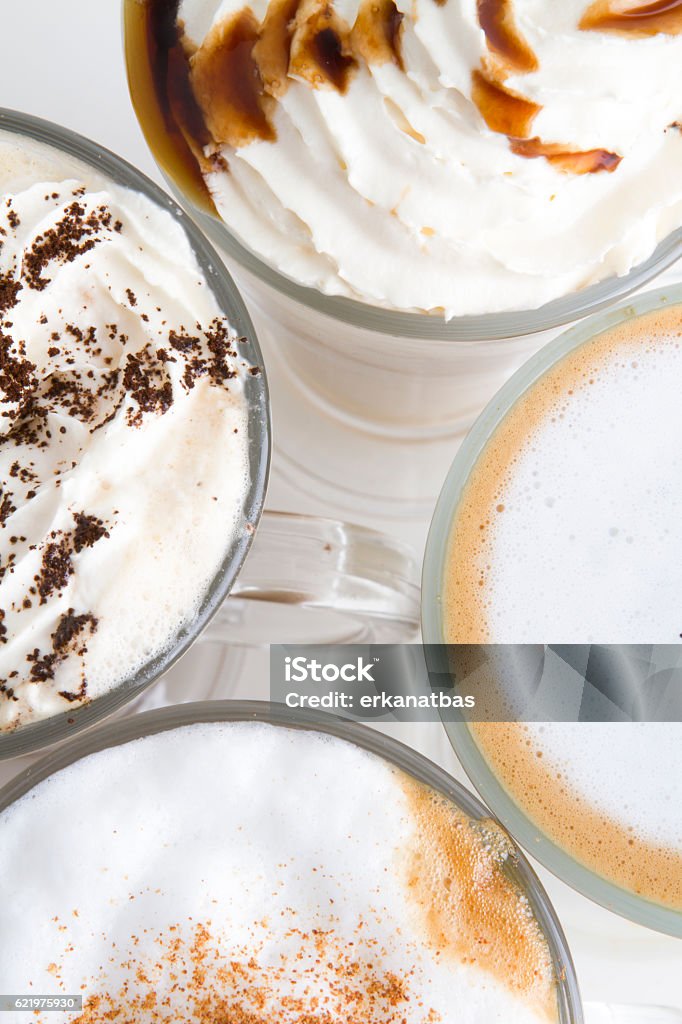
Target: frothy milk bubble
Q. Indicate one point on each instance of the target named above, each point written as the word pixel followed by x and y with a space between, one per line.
pixel 256 873
pixel 570 531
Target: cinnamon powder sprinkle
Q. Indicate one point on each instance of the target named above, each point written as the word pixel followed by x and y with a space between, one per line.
pixel 192 976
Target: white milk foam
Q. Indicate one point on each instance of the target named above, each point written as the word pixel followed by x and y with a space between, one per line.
pixel 275 867
pixel 587 547
pixel 630 772
pixel 579 494
pixel 143 449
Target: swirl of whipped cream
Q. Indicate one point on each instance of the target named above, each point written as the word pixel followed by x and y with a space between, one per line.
pixel 123 447
pixel 453 156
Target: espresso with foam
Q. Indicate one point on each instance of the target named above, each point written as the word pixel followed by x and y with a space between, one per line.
pixel 264 874
pixel 569 530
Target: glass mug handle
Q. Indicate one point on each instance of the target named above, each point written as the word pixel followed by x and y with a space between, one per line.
pixel 306 580
pixel 617 1013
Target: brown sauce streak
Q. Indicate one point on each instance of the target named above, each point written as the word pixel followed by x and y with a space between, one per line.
pixel 227 83
pixel 377 33
pixel 588 161
pixel 503 111
pixel 496 18
pixel 663 17
pixel 158 79
pixel 511 114
pixel 226 92
pixel 271 52
pixel 321 52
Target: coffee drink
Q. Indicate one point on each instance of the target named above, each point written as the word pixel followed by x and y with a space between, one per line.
pixel 264 874
pixel 453 158
pixel 123 432
pixel 569 531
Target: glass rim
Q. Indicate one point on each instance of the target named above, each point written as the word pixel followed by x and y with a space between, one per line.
pixel 557 313
pixel 569 870
pixel 482 327
pixel 412 762
pixel 35 735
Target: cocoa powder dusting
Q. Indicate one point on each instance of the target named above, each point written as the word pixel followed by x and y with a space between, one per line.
pixel 89 529
pixel 68 638
pixel 88 374
pixel 9 289
pixel 56 566
pixel 72 236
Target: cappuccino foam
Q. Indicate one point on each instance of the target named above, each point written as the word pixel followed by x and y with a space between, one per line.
pixel 569 531
pixel 263 874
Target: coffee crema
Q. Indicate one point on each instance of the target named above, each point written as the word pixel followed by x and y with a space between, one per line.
pixel 568 531
pixel 123 432
pixel 264 874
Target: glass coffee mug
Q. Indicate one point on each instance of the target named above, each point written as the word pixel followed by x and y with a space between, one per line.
pixel 330 579
pixel 506 803
pixel 569 1007
pixel 395 387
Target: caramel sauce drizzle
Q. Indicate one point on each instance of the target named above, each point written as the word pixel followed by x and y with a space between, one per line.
pixel 377 33
pixel 271 52
pixel 661 17
pixel 226 92
pixel 503 111
pixel 507 112
pixel 570 160
pixel 227 83
pixel 242 68
pixel 321 52
pixel 158 76
pixel 496 18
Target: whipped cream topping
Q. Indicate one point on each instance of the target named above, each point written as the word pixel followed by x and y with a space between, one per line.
pixel 263 875
pixel 123 432
pixel 455 157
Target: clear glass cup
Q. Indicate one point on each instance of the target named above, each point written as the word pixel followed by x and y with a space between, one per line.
pixel 550 855
pixel 360 577
pixel 571 1009
pixel 414 764
pixel 372 377
pixel 409 374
